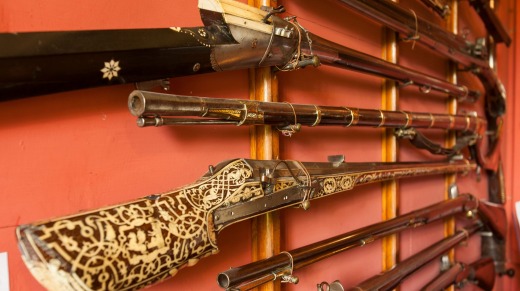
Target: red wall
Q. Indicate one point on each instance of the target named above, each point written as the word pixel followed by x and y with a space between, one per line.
pixel 80 150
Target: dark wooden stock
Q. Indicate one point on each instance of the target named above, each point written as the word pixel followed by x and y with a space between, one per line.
pixel 393 277
pixel 481 273
pixel 46 62
pixel 257 273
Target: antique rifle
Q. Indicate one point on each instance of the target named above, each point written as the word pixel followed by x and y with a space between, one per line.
pixel 471 56
pixel 135 244
pixel 480 273
pixel 235 36
pixel 281 266
pixel 157 109
pixel 390 279
pixel 493 25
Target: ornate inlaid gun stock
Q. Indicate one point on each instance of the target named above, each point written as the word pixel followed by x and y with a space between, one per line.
pixel 454 47
pixel 390 279
pixel 157 109
pixel 480 273
pixel 134 244
pixel 281 266
pixel 235 36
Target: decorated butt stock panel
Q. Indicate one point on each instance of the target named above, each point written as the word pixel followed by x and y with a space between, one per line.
pixel 129 246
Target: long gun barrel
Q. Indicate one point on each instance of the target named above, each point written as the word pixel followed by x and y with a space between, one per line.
pixel 481 273
pixel 235 36
pixel 154 109
pixel 454 47
pixel 393 277
pixel 282 265
pixel 135 244
pixel 157 109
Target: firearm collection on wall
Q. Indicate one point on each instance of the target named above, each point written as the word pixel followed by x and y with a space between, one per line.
pixel 135 244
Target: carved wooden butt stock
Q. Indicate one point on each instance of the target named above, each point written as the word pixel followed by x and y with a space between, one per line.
pixel 135 244
pixel 129 246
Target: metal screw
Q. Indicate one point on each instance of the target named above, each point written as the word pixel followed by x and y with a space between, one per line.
pixel 196 67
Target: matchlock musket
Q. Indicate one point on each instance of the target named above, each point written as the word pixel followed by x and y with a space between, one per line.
pixel 134 244
pixel 157 109
pixel 235 36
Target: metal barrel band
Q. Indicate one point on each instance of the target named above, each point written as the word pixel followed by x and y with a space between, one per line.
pixel 245 116
pixel 353 117
pixel 293 128
pixel 289 278
pixel 416 35
pixel 407 119
pixel 318 116
pixel 382 118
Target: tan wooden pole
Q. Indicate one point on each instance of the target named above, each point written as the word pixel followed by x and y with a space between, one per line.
pixel 452 26
pixel 263 86
pixel 390 97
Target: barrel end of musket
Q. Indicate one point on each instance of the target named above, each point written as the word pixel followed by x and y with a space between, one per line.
pixel 47 270
pixel 136 103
